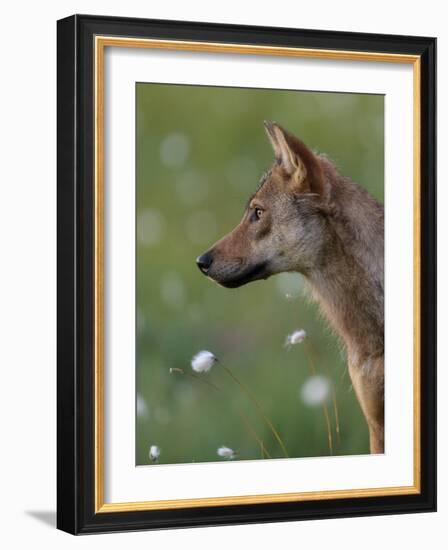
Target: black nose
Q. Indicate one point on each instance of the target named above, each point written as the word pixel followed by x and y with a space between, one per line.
pixel 204 262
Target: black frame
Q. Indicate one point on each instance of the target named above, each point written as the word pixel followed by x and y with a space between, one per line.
pixel 75 310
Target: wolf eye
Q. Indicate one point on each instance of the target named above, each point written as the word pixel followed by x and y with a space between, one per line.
pixel 258 213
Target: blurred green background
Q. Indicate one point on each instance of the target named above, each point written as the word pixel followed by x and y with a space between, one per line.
pixel 200 153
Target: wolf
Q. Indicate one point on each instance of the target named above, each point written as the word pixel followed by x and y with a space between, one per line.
pixel 306 217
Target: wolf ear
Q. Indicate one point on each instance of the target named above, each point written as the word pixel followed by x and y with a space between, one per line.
pixel 298 161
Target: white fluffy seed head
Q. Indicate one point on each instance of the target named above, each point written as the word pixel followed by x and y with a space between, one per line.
pixel 154 453
pixel 315 390
pixel 296 337
pixel 226 452
pixel 203 361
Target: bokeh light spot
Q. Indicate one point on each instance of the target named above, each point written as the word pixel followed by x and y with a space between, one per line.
pixel 201 227
pixel 172 290
pixel 315 390
pixel 150 225
pixel 174 149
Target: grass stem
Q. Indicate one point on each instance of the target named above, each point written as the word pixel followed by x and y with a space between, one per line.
pixel 309 354
pixel 246 422
pixel 249 394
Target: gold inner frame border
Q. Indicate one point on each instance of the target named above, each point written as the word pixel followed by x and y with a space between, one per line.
pixel 100 43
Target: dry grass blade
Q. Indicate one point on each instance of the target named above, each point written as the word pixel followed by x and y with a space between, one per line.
pixel 246 422
pixel 259 408
pixel 325 408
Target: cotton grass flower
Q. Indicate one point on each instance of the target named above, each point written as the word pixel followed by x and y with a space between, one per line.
pixel 203 361
pixel 154 453
pixel 296 337
pixel 226 452
pixel 315 390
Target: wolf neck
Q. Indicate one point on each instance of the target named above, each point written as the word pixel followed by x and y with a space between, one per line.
pixel 349 283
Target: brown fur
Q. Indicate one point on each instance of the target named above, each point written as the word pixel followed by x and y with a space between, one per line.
pixel 308 218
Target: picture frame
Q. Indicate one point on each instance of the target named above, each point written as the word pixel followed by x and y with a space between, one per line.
pixel 82 203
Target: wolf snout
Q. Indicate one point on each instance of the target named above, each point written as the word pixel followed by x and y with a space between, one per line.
pixel 204 262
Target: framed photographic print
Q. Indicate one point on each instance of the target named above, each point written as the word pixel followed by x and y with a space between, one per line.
pixel 246 274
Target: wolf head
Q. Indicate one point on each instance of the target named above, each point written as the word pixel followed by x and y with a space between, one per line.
pixel 284 225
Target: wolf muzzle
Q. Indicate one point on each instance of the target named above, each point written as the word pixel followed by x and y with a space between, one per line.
pixel 204 262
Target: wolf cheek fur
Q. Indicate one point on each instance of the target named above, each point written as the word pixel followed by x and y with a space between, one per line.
pixel 308 218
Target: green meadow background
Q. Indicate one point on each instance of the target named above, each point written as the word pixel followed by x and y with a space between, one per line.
pixel 200 153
